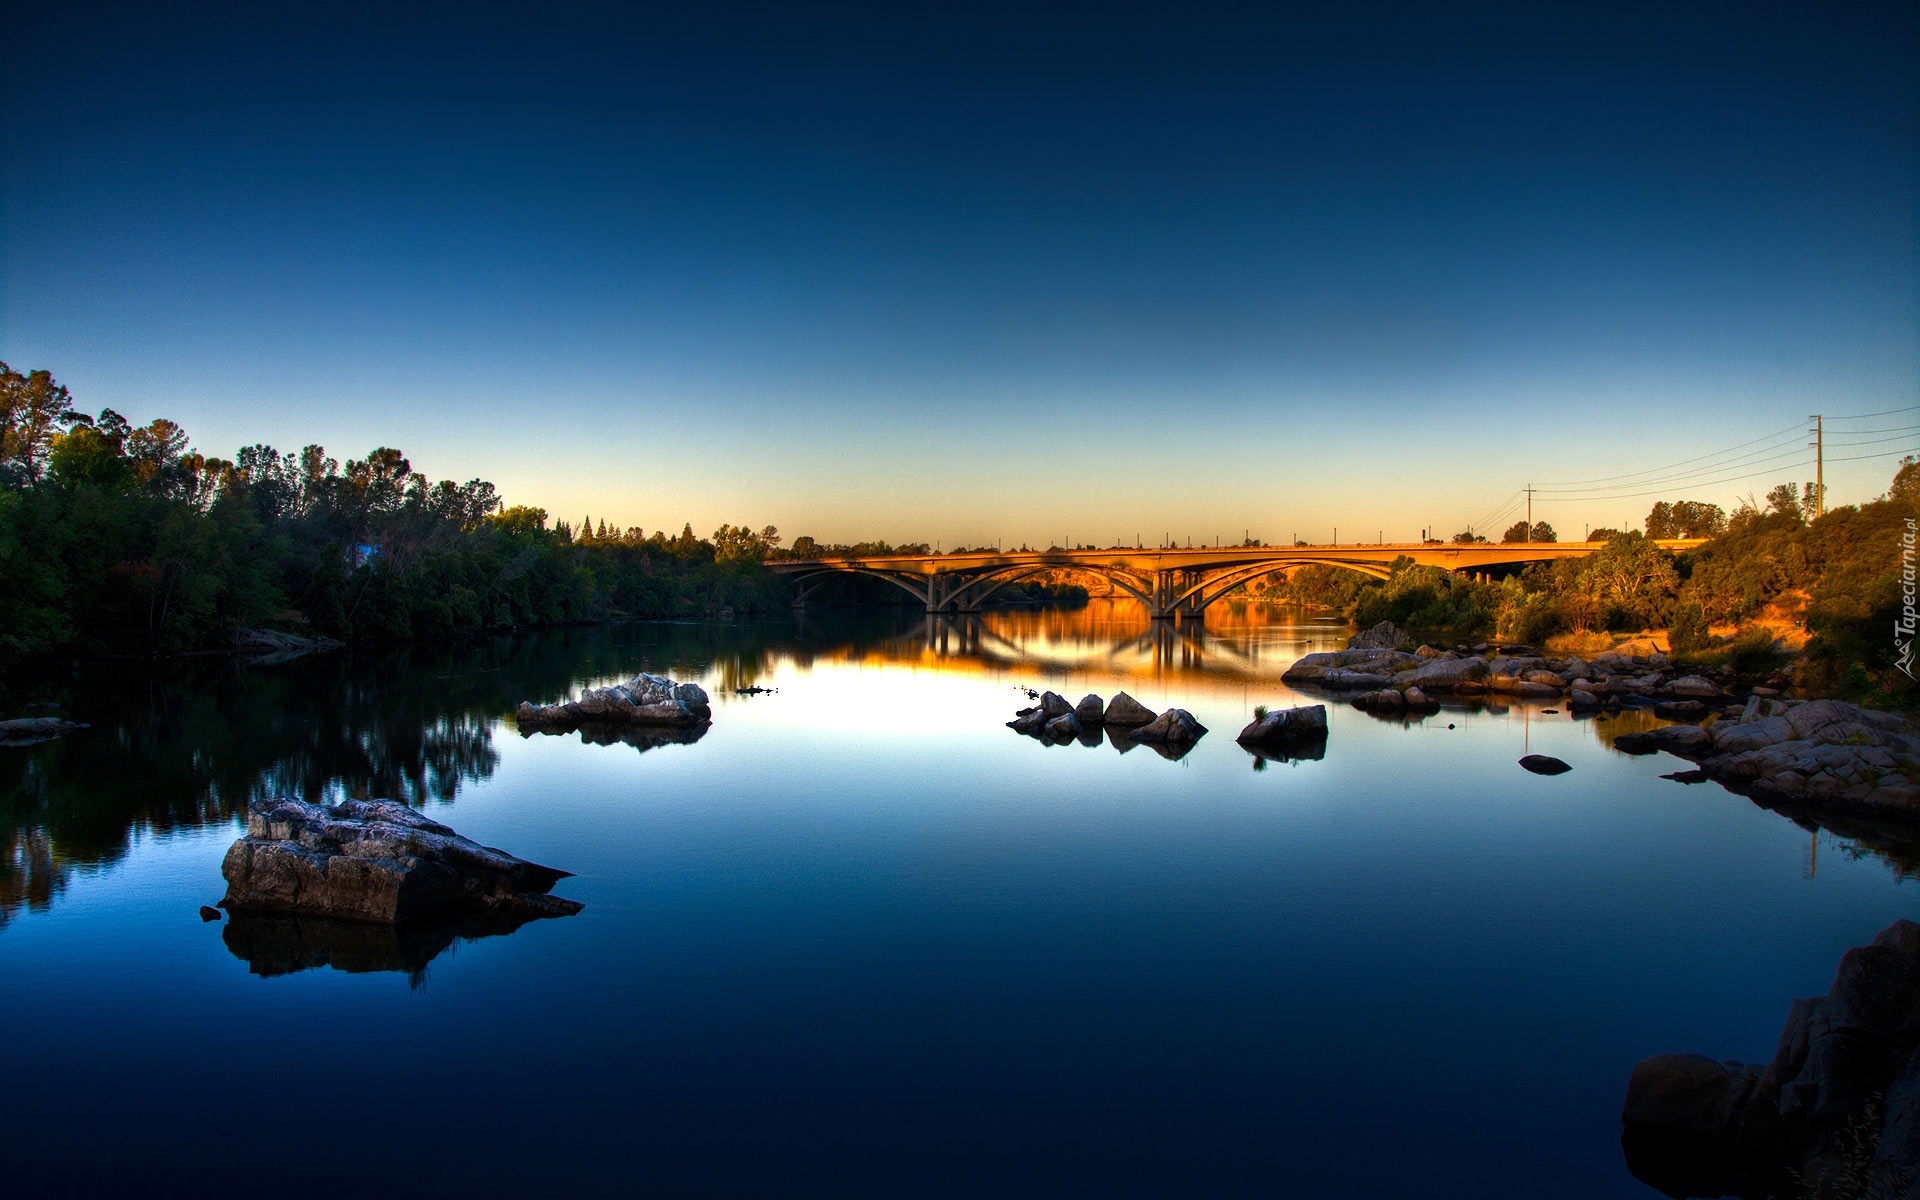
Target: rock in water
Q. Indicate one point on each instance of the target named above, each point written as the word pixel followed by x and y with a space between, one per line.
pixel 1174 727
pixel 1091 710
pixel 1846 1076
pixel 209 913
pixel 375 860
pixel 1286 726
pixel 1544 764
pixel 1126 712
pixel 1063 727
pixel 642 700
pixel 25 731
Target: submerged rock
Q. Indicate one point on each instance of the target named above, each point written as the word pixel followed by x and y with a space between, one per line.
pixel 1545 764
pixel 264 647
pixel 642 700
pixel 1675 739
pixel 25 731
pixel 375 860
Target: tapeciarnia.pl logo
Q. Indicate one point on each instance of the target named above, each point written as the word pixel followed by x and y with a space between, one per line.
pixel 1903 629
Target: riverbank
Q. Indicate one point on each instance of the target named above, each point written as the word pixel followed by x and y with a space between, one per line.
pixel 1809 756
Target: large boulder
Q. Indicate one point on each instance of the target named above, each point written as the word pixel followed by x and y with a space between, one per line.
pixel 1091 710
pixel 375 860
pixel 1350 668
pixel 642 700
pixel 1384 636
pixel 1126 712
pixel 1694 687
pixel 1846 1075
pixel 1286 727
pixel 1445 675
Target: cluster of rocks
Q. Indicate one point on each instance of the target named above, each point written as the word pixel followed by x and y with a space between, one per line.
pixel 1396 680
pixel 1794 754
pixel 26 731
pixel 1836 1113
pixel 376 860
pixel 1053 719
pixel 646 700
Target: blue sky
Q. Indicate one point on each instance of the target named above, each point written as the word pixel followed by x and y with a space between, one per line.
pixel 985 273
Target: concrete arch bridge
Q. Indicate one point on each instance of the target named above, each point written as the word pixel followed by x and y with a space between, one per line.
pixel 1171 583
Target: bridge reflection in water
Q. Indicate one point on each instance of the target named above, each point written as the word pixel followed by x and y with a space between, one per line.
pixel 1116 638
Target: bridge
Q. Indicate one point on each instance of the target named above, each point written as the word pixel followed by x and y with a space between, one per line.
pixel 1171 582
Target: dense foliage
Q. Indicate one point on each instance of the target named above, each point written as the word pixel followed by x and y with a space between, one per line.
pixel 1836 577
pixel 121 539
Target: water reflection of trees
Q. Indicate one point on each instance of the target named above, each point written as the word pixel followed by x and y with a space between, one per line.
pixel 185 743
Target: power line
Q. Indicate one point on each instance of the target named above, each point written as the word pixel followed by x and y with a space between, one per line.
pixel 1864 457
pixel 1771 437
pixel 1707 483
pixel 1869 442
pixel 1685 478
pixel 1866 416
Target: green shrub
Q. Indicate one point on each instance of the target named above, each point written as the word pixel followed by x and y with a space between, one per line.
pixel 1688 634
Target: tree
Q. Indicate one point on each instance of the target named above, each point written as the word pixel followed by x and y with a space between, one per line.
pixel 1785 500
pixel 1465 537
pixel 1906 483
pixel 1516 532
pixel 521 518
pixel 1543 532
pixel 1603 534
pixel 34 410
pixel 1686 519
pixel 1632 580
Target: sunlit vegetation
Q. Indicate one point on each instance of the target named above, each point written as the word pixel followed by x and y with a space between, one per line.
pixel 1768 579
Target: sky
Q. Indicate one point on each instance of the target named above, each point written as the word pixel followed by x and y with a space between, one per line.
pixel 988 274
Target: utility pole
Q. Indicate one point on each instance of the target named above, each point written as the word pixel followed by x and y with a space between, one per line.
pixel 1529 536
pixel 1819 467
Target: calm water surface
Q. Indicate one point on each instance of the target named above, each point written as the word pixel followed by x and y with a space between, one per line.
pixel 862 939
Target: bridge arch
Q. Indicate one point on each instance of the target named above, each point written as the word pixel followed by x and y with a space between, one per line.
pixel 1202 594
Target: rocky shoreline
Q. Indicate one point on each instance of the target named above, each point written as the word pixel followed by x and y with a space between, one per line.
pixel 1835 1113
pixel 1811 756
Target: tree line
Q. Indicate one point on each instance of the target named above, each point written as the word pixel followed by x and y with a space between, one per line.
pixel 118 538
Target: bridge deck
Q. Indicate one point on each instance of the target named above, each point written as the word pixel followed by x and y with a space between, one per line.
pixel 1450 556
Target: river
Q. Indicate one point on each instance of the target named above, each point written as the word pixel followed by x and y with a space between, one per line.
pixel 860 938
